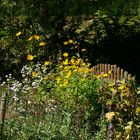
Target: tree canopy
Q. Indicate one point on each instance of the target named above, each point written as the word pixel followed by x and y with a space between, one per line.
pixel 90 22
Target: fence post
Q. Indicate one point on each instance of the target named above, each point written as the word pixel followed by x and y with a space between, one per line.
pixel 2 113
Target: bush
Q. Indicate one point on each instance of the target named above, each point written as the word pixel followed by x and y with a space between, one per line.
pixel 59 103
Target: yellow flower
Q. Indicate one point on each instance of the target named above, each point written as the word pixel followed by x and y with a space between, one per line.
pixel 42 43
pixel 65 62
pixel 137 110
pixel 58 79
pixel 78 61
pixel 65 43
pixel 46 63
pixel 65 82
pixel 110 72
pixel 18 33
pixel 30 57
pixel 68 74
pixel 86 70
pixel 111 85
pixel 111 89
pixel 65 54
pixel 98 76
pixel 83 64
pixel 105 75
pixel 128 128
pixel 109 116
pixel 60 66
pixel 72 61
pixel 36 37
pixel 70 41
pixel 34 74
pixel 121 87
pixel 30 38
pixel 83 50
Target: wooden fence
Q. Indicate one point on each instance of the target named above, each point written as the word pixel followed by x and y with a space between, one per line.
pixel 114 72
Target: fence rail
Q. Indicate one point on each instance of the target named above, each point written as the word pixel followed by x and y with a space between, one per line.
pixel 116 73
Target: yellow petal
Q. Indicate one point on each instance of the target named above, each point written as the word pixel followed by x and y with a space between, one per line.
pixel 30 57
pixel 65 54
pixel 70 41
pixel 37 37
pixel 109 116
pixel 42 43
pixel 30 38
pixel 65 43
pixel 18 33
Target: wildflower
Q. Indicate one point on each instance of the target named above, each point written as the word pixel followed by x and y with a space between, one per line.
pixel 36 37
pixel 70 41
pixel 29 102
pixel 46 63
pixel 121 87
pixel 72 61
pixel 60 66
pixel 137 110
pixel 34 74
pixel 83 50
pixel 78 61
pixel 42 43
pixel 110 72
pixel 111 89
pixel 88 64
pixel 65 82
pixel 30 38
pixel 76 69
pixel 18 33
pixel 111 85
pixel 105 75
pixel 98 76
pixel 83 64
pixel 65 54
pixel 86 70
pixel 58 79
pixel 65 43
pixel 68 74
pixel 109 116
pixel 128 128
pixel 65 62
pixel 30 57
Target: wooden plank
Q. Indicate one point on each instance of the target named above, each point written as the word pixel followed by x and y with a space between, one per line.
pixel 122 75
pixel 133 78
pixel 106 69
pixel 129 77
pixel 115 72
pixel 112 74
pixel 125 75
pixel 118 73
pixel 98 71
pixel 109 68
pixel 100 68
pixel 94 70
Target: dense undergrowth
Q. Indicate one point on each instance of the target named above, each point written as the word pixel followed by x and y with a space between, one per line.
pixel 63 99
pixel 50 91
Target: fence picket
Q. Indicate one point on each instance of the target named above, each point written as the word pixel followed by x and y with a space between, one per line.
pixel 117 72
